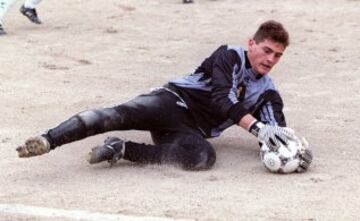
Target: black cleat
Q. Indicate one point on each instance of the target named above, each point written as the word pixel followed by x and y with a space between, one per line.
pixel 31 14
pixel 112 151
pixel 187 1
pixel 2 31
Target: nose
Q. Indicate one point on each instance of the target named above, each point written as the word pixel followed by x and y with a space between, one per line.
pixel 271 59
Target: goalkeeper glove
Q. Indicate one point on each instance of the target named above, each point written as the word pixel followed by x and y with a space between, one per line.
pixel 306 156
pixel 273 136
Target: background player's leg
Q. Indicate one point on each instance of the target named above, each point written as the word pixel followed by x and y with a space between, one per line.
pixel 4 7
pixel 31 3
pixel 28 10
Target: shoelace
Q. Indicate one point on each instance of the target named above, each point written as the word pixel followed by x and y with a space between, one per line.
pixel 117 155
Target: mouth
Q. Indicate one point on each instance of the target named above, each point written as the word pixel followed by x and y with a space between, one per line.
pixel 266 67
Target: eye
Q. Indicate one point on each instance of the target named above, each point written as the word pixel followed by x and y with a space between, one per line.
pixel 267 50
pixel 278 55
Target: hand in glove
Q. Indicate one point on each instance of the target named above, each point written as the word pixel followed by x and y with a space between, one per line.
pixel 273 136
pixel 306 156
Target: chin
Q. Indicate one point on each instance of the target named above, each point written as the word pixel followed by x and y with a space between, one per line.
pixel 262 72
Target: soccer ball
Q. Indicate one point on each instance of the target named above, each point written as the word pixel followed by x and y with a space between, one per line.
pixel 285 159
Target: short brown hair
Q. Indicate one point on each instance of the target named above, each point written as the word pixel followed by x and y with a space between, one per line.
pixel 274 31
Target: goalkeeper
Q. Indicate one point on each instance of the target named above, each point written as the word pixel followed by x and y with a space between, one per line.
pixel 230 87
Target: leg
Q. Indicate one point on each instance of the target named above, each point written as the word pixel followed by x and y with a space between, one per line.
pixel 4 7
pixel 79 126
pixel 179 143
pixel 28 10
pixel 84 124
pixel 31 3
pixel 145 112
pixel 2 31
pixel 190 151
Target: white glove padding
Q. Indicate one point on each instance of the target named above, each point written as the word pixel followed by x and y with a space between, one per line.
pixel 273 136
pixel 305 156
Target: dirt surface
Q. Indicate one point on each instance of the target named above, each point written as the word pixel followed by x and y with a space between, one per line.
pixel 92 53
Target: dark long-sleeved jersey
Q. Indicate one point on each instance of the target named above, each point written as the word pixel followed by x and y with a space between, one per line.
pixel 222 90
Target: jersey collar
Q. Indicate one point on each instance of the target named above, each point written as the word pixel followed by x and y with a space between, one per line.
pixel 248 66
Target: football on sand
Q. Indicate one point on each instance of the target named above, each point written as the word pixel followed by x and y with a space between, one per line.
pixel 285 159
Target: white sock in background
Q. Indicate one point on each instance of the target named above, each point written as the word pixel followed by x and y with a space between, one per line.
pixel 31 3
pixel 4 7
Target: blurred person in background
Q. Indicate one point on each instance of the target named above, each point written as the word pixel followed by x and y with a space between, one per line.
pixel 27 9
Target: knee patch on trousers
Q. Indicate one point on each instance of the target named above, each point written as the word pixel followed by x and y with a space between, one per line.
pixel 99 120
pixel 198 158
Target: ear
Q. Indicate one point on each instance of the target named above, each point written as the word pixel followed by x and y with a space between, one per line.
pixel 251 43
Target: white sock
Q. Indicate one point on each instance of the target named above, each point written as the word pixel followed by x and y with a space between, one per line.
pixel 4 7
pixel 31 3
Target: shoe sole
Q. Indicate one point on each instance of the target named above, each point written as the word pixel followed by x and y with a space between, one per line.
pixel 33 147
pixel 105 153
pixel 97 155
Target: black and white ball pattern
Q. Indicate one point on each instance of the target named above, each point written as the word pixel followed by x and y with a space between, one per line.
pixel 285 159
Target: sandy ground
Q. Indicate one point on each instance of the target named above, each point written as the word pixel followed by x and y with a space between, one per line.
pixel 87 55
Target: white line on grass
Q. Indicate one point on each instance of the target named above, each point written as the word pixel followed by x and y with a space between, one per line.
pixel 75 214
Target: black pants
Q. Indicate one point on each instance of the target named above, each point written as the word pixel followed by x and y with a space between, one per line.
pixel 176 136
pixel 177 139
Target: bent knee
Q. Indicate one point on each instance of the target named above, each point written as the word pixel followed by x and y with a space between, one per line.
pixel 203 160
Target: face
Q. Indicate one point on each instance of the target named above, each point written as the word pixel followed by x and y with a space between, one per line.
pixel 264 55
